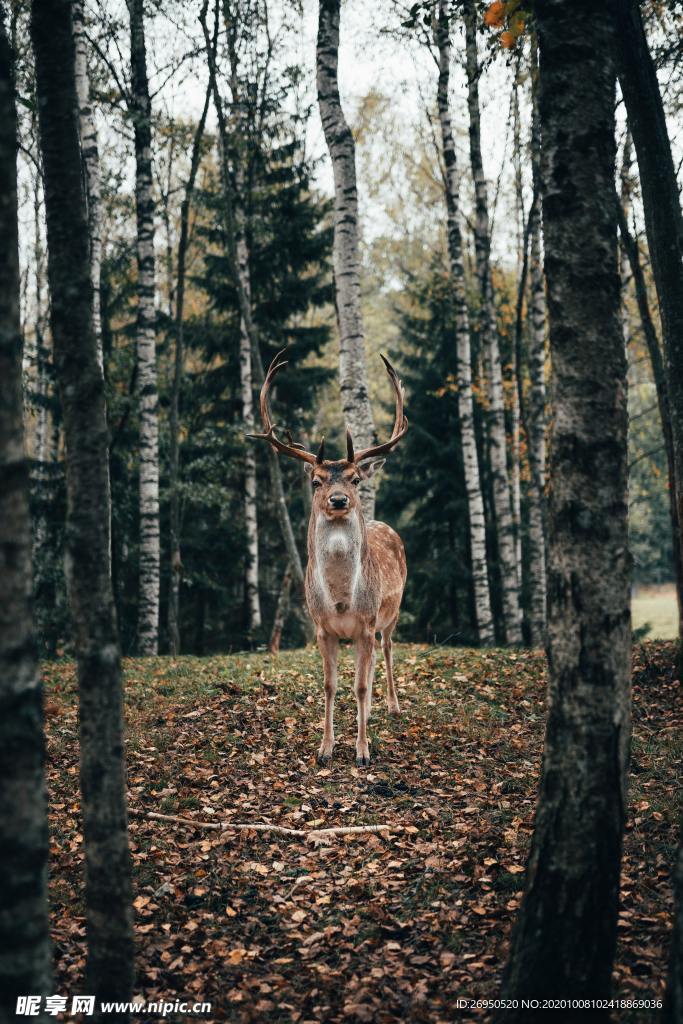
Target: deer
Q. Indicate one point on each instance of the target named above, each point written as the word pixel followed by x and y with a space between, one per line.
pixel 356 570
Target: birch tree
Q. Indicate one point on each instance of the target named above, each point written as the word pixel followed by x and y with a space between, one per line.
pixel 240 135
pixel 353 376
pixel 505 530
pixel 536 405
pixel 564 941
pixel 91 163
pixel 475 502
pixel 87 558
pixel 24 940
pixel 141 113
pixel 247 324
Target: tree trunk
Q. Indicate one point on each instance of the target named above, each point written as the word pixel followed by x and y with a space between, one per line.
pixel 505 531
pixel 281 611
pixel 536 403
pixel 250 507
pixel 176 385
pixel 625 272
pixel 148 601
pixel 277 486
pixel 353 376
pixel 630 247
pixel 91 164
pixel 475 501
pixel 42 445
pixel 241 133
pixel 24 940
pixel 661 204
pixel 516 364
pixel 673 1000
pixel 563 944
pixel 81 385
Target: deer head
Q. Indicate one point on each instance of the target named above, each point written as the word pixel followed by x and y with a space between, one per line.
pixel 334 482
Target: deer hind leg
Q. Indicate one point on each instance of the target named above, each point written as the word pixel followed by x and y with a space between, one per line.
pixel 365 649
pixel 371 680
pixel 329 649
pixel 392 699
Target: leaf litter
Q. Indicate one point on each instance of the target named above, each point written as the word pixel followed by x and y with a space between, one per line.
pixel 393 926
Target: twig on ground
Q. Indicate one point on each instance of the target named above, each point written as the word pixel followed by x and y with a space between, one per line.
pixel 225 826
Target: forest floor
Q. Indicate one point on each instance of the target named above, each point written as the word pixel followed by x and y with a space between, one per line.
pixel 391 927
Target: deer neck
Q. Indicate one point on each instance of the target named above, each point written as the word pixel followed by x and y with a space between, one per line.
pixel 338 549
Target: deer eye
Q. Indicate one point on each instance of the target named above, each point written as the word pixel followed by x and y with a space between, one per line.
pixel 315 483
pixel 355 481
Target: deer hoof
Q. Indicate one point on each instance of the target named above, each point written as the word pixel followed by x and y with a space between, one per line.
pixel 394 708
pixel 363 760
pixel 324 757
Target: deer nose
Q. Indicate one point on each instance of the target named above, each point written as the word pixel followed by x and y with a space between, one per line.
pixel 338 500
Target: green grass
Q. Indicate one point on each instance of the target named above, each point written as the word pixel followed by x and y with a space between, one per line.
pixel 655 607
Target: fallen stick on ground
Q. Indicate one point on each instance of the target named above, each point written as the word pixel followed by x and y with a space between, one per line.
pixel 225 826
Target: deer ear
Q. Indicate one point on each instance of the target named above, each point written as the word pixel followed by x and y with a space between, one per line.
pixel 370 468
pixel 308 469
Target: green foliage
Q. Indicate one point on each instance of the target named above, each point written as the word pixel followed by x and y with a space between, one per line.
pixel 423 494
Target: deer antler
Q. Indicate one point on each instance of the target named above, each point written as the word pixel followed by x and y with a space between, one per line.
pixel 293 449
pixel 400 427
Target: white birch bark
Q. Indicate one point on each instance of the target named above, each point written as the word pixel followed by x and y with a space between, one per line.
pixel 536 415
pixel 148 602
pixel 515 448
pixel 475 503
pixel 246 387
pixel 91 163
pixel 505 528
pixel 245 354
pixel 41 383
pixel 624 266
pixel 353 377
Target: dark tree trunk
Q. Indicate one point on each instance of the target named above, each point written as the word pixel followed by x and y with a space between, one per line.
pixel 661 204
pixel 664 228
pixel 81 385
pixel 176 384
pixel 673 1002
pixel 281 612
pixel 630 246
pixel 24 939
pixel 564 940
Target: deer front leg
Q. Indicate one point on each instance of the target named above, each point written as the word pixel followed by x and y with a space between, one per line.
pixel 365 648
pixel 329 649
